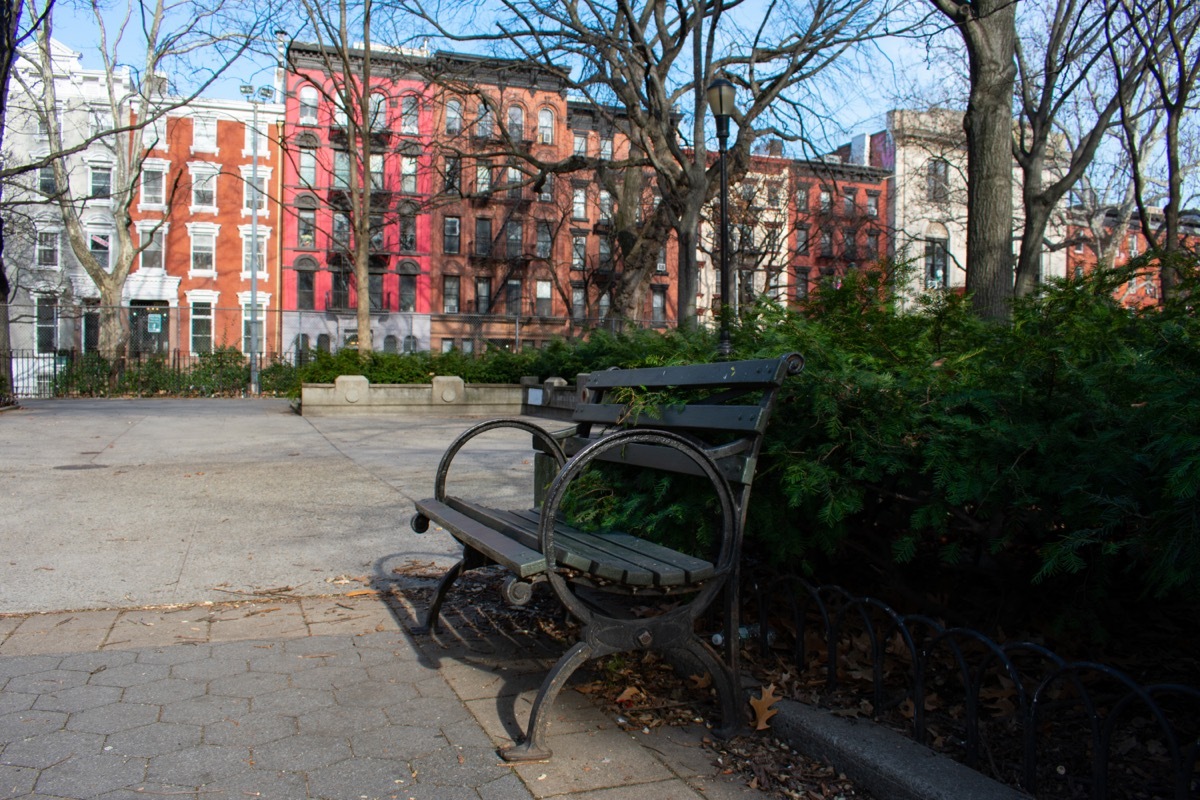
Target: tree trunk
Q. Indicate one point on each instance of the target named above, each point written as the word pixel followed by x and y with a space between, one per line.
pixel 988 28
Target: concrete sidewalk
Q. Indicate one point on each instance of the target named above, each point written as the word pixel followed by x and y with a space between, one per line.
pixel 304 698
pixel 299 694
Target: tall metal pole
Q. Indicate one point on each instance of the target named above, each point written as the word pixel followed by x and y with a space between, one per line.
pixel 254 252
pixel 721 97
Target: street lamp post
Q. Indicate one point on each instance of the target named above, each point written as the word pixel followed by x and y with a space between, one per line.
pixel 721 96
pixel 255 96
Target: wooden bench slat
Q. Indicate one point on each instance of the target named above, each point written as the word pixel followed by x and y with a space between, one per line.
pixel 612 556
pixel 521 560
pixel 735 419
pixel 670 568
pixel 767 372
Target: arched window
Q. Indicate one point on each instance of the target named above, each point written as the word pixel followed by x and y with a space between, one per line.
pixel 546 126
pixel 308 105
pixel 516 123
pixel 454 117
pixel 485 126
pixel 377 112
pixel 409 117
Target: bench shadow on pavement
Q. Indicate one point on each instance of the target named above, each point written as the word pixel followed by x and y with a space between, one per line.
pixel 493 655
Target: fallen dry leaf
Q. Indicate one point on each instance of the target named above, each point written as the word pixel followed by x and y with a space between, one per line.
pixel 762 707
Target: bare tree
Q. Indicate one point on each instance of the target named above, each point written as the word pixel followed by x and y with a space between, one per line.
pixel 1166 34
pixel 988 29
pixel 1062 53
pixel 175 41
pixel 646 66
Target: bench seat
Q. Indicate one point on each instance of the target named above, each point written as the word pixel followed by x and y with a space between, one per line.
pixel 510 539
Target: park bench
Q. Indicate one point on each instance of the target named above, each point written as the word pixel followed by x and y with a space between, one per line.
pixel 701 420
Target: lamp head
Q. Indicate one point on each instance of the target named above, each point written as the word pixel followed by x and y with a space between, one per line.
pixel 246 89
pixel 266 92
pixel 721 96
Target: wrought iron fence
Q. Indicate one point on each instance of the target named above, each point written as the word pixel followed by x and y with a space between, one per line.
pixel 1015 710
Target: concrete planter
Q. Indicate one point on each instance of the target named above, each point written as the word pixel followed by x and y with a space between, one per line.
pixel 354 394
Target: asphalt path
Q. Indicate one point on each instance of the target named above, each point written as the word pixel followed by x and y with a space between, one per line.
pixel 129 503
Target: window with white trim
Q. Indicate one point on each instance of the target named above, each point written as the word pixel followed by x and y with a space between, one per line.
pixel 47 249
pixel 154 185
pixel 377 112
pixel 543 300
pixel 454 117
pixel 578 252
pixel 204 134
pixel 100 181
pixel 579 203
pixel 100 246
pixel 47 184
pixel 247 233
pixel 307 167
pixel 546 126
pixel 308 105
pixel 152 250
pixel 203 236
pixel 254 191
pixel 408 174
pixel 201 324
pixel 410 114
pixel 516 123
pixel 47 323
pixel 253 323
pixel 204 187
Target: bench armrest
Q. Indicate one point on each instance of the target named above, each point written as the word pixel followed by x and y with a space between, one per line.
pixel 549 444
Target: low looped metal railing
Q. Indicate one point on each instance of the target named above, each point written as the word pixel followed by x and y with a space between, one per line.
pixel 1017 698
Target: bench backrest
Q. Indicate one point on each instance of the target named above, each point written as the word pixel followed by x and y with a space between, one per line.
pixel 724 407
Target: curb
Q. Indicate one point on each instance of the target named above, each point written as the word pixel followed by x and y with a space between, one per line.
pixel 886 763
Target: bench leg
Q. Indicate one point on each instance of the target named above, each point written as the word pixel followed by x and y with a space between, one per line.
pixel 470 560
pixel 728 691
pixel 534 748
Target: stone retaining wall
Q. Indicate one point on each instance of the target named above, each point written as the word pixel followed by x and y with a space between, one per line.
pixel 354 394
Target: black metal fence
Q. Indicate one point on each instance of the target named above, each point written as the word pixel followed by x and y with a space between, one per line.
pixel 1015 710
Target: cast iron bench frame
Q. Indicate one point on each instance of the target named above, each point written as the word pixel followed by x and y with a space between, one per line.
pixel 716 436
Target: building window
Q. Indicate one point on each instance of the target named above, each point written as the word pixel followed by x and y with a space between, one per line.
pixel 936 262
pixel 447 345
pixel 1133 246
pixel 580 145
pixel 47 323
pixel 453 175
pixel 451 235
pixel 606 148
pixel 340 232
pixel 578 252
pixel 604 306
pixel 249 262
pixel 454 117
pixel 579 203
pixel 339 290
pixel 202 327
pixel 937 177
pixel 802 197
pixel 512 297
pixel 101 181
pixel 46 182
pixel 578 302
pixel 483 295
pixel 375 291
pixel 849 245
pixel 849 202
pixel 305 290
pixel 377 112
pixel 826 243
pixel 152 251
pixel 513 239
pixel 408 174
pixel 204 135
pixel 483 237
pixel 375 233
pixel 606 254
pixel 376 167
pixel 341 169
pixel 408 293
pixel 203 250
pixel 543 302
pixel 516 123
pixel 252 328
pixel 100 245
pixel 450 286
pixel 606 205
pixel 546 126
pixel 515 178
pixel 408 233
pixel 658 305
pixel 308 105
pixel 308 167
pixel 802 241
pixel 483 177
pixel 254 193
pixel 546 192
pixel 409 114
pixel 306 228
pixel 773 195
pixel 545 238
pixel 47 249
pixel 485 124
pixel 826 201
pixel 872 205
pixel 801 284
pixel 153 186
pixel 660 263
pixel 872 250
pixel 204 190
